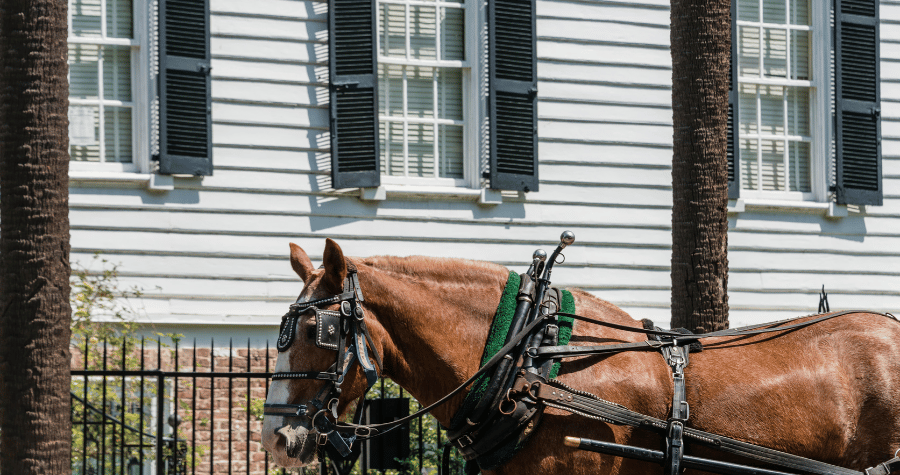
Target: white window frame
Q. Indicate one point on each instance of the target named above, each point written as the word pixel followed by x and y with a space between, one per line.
pixel 820 120
pixel 473 104
pixel 140 95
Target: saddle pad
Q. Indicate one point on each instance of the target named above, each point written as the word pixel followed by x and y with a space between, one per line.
pixel 496 337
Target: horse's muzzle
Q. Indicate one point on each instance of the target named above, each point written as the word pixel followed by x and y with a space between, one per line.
pixel 299 443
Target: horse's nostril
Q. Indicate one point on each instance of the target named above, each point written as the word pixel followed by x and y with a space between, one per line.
pixel 294 439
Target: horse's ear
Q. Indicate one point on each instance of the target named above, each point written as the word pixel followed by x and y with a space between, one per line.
pixel 335 266
pixel 300 262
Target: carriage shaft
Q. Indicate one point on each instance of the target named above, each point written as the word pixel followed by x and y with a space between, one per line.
pixel 656 456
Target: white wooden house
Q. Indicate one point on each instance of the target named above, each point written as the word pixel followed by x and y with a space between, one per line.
pixel 202 144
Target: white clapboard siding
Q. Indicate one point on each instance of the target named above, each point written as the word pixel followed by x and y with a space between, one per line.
pixel 213 252
pixel 659 77
pixel 248 69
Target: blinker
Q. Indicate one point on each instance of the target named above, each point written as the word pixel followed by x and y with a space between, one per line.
pixel 328 329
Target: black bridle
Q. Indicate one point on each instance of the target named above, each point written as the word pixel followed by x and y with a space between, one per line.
pixel 332 331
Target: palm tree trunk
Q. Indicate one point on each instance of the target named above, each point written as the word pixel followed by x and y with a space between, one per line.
pixel 34 239
pixel 701 52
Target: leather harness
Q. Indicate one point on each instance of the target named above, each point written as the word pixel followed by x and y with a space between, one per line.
pixel 519 387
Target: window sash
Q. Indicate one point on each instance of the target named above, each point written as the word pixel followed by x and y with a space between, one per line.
pixel 788 139
pixel 402 122
pixel 116 143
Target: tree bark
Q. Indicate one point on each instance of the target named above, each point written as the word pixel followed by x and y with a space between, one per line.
pixel 34 239
pixel 701 58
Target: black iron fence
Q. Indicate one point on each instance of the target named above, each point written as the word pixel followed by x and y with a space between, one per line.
pixel 143 408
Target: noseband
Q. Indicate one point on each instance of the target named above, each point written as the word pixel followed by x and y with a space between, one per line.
pixel 331 332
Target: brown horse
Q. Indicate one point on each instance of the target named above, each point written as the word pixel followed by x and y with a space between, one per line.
pixel 828 392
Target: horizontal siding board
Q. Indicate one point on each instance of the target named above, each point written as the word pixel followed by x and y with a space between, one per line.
pixel 813 263
pixel 608 153
pixel 604 71
pixel 213 266
pixel 889 11
pixel 783 280
pixel 873 245
pixel 890 91
pixel 289 116
pixel 577 30
pixel 890 148
pixel 298 10
pixel 889 52
pixel 284 161
pixel 573 51
pixel 270 49
pixel 656 13
pixel 249 27
pixel 284 94
pixel 274 136
pixel 660 135
pixel 598 174
pixel 618 113
pixel 806 302
pixel 304 74
pixel 890 110
pixel 609 94
pixel 891 166
pixel 891 69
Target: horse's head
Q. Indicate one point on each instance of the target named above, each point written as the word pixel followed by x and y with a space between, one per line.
pixel 301 405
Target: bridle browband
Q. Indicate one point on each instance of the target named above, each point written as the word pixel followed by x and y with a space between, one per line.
pixel 331 332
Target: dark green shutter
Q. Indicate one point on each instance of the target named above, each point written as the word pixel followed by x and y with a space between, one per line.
pixel 733 148
pixel 513 95
pixel 353 68
pixel 185 128
pixel 857 103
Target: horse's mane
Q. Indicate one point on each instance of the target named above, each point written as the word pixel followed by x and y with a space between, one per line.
pixel 442 270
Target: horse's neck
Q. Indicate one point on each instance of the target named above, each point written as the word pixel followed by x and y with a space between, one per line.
pixel 433 329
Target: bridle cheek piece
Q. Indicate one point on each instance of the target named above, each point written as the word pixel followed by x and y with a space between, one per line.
pixel 331 332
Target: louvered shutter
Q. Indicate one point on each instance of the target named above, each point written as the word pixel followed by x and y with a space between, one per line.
pixel 732 146
pixel 513 95
pixel 353 68
pixel 185 129
pixel 857 103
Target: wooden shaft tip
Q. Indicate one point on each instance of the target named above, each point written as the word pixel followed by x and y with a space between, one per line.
pixel 572 441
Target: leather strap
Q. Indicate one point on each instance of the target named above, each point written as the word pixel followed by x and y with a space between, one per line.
pixel 677 359
pixel 885 468
pixel 565 351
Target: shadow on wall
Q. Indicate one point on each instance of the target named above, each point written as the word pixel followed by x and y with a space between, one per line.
pixel 329 211
pixel 176 196
pixel 850 228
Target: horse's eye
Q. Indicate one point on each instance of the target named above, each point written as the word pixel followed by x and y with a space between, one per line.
pixel 311 332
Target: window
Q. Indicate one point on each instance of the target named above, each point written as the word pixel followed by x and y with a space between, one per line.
pixel 776 83
pixel 412 104
pixel 110 83
pixel 806 101
pixel 421 78
pixel 104 68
